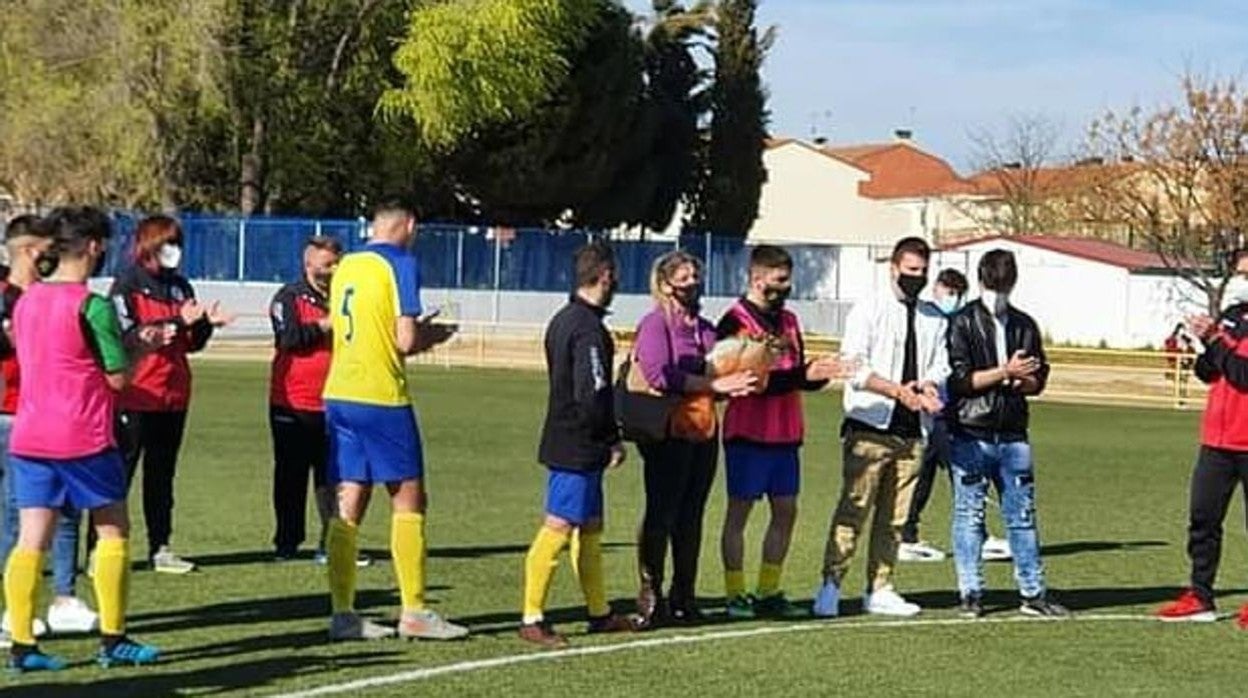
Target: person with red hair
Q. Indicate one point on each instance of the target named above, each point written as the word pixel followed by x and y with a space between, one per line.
pixel 152 292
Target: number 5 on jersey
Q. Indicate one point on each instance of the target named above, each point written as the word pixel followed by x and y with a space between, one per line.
pixel 347 295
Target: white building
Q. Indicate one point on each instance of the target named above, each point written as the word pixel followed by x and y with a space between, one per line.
pixel 1086 291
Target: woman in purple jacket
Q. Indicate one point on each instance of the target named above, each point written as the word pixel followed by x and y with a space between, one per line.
pixel 671 347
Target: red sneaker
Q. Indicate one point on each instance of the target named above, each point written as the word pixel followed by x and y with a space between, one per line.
pixel 1188 607
pixel 1242 620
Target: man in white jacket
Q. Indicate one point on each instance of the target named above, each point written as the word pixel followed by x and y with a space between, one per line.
pixel 897 344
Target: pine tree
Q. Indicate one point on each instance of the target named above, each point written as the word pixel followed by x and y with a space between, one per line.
pixel 731 173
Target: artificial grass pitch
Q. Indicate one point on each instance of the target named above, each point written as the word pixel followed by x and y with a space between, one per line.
pixel 1112 493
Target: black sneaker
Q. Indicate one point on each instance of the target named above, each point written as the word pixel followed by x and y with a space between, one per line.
pixel 972 606
pixel 1042 607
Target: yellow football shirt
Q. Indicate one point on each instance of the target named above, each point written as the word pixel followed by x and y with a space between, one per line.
pixel 371 289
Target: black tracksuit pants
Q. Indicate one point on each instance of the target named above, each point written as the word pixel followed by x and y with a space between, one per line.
pixel 299 446
pixel 1217 473
pixel 154 438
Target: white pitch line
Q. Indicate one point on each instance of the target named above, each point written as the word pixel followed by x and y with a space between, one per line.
pixel 415 675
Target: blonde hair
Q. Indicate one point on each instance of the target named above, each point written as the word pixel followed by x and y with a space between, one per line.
pixel 664 268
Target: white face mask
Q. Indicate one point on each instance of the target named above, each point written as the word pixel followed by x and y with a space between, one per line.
pixel 170 256
pixel 995 302
pixel 1236 292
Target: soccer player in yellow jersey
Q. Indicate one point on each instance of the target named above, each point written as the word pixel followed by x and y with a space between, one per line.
pixel 373 438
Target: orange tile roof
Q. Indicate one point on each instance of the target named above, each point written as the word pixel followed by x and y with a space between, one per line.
pixel 902 170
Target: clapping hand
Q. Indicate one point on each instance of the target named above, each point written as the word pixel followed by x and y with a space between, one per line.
pixel 825 368
pixel 737 384
pixel 1020 365
pixel 929 398
pixel 217 316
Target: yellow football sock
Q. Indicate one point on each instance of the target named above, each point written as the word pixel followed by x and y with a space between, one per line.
pixel 342 547
pixel 539 570
pixel 407 550
pixel 734 583
pixel 589 571
pixel 769 579
pixel 112 584
pixel 21 584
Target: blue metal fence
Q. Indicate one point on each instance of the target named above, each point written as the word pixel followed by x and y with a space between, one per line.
pixel 460 256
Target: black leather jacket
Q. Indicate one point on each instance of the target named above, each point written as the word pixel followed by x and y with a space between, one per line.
pixel 999 412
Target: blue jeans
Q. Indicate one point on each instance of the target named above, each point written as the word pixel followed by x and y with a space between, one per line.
pixel 1007 465
pixel 65 538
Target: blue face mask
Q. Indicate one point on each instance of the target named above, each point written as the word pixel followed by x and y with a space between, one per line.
pixel 949 304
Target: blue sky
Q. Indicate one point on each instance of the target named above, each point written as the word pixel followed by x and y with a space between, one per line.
pixel 854 70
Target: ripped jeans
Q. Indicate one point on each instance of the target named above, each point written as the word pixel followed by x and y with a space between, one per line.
pixel 1007 464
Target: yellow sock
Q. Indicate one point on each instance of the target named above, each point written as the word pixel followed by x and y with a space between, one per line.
pixel 112 584
pixel 589 572
pixel 342 547
pixel 407 550
pixel 21 584
pixel 539 570
pixel 769 579
pixel 734 583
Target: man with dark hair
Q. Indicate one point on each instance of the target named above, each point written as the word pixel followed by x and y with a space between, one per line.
pixel 377 320
pixel 997 362
pixel 580 439
pixel 299 313
pixel 763 432
pixel 25 239
pixel 894 345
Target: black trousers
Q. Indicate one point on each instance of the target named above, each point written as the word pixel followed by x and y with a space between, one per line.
pixel 1213 482
pixel 678 478
pixel 299 446
pixel 935 457
pixel 154 438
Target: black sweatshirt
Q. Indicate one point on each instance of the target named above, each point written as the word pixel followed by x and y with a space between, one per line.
pixel 580 426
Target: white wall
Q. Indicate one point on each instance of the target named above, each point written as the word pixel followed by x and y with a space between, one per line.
pixel 813 198
pixel 1081 301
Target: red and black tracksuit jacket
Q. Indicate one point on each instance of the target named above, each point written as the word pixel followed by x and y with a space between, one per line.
pixel 301 362
pixel 162 378
pixel 1223 460
pixel 1224 366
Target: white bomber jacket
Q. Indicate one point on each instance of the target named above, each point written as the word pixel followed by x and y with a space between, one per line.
pixel 875 336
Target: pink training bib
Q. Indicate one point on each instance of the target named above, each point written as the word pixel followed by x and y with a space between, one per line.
pixel 66 410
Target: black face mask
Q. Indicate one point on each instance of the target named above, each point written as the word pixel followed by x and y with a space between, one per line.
pixel 911 285
pixel 99 264
pixel 688 296
pixel 776 296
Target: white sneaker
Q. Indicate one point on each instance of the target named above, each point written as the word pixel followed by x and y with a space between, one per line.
pixel 167 561
pixel 428 625
pixel 887 602
pixel 827 600
pixel 996 550
pixel 349 626
pixel 71 615
pixel 41 628
pixel 919 552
